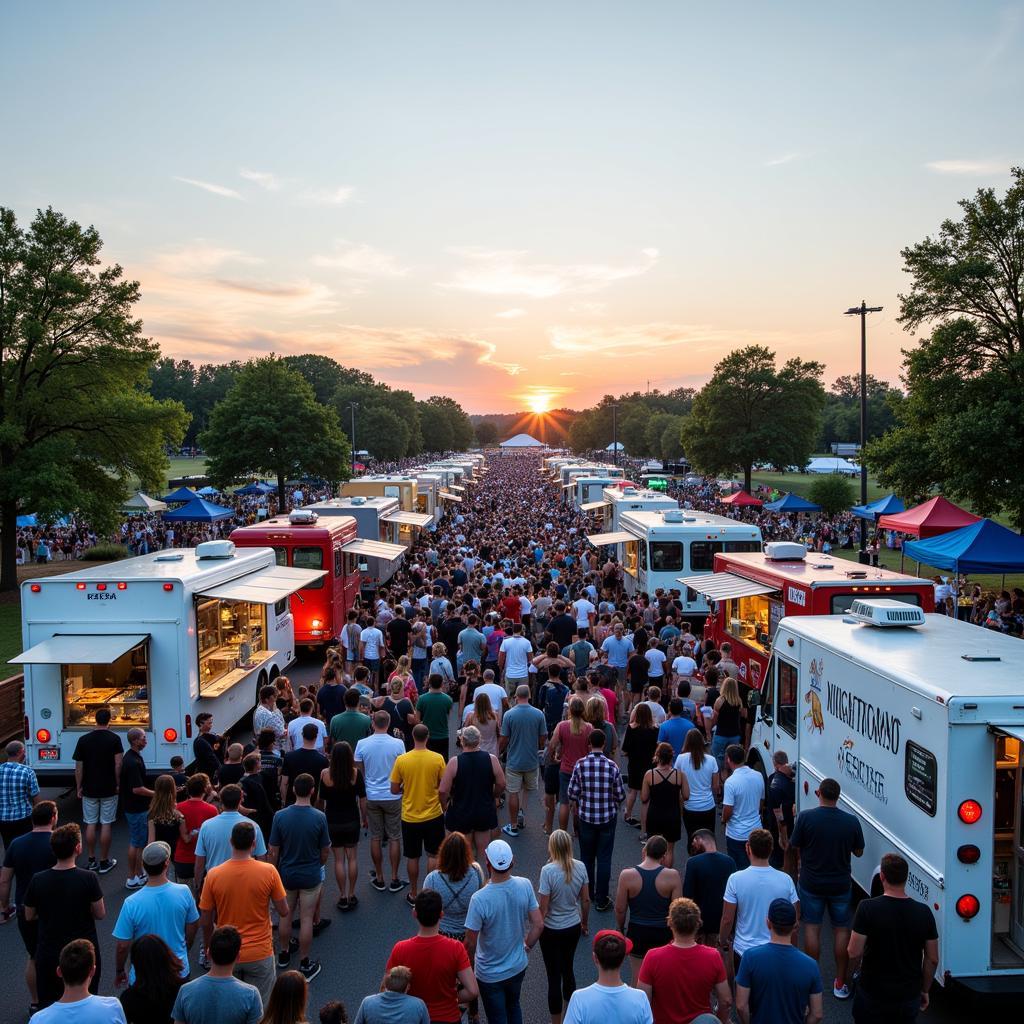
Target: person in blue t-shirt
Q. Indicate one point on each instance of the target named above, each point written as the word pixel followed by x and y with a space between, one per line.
pixel 776 983
pixel 674 729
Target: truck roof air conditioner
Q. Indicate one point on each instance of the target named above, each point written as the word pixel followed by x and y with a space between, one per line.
pixel 785 551
pixel 886 613
pixel 629 490
pixel 215 549
pixel 358 499
pixel 673 515
pixel 302 517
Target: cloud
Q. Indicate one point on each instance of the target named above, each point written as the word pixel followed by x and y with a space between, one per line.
pixel 640 339
pixel 511 314
pixel 207 186
pixel 327 196
pixel 360 259
pixel 199 257
pixel 268 289
pixel 264 179
pixel 974 167
pixel 509 272
pixel 778 161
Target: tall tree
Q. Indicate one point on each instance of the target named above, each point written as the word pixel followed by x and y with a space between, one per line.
pixel 841 416
pixel 77 419
pixel 384 434
pixel 960 426
pixel 271 422
pixel 322 373
pixel 752 412
pixel 436 428
pixel 462 429
pixel 486 433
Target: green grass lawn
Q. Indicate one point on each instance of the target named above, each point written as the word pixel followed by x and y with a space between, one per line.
pixel 10 636
pixel 800 483
pixel 176 468
pixel 891 560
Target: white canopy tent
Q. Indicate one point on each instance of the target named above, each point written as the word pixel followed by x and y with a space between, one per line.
pixel 521 441
pixel 832 464
pixel 144 503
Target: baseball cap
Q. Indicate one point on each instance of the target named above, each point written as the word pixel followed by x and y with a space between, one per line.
pixel 499 854
pixel 611 932
pixel 781 913
pixel 156 853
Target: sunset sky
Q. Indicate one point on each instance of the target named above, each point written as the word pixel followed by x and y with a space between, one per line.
pixel 512 203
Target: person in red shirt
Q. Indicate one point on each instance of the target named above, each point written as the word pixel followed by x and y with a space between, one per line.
pixel 511 607
pixel 195 810
pixel 680 977
pixel 441 974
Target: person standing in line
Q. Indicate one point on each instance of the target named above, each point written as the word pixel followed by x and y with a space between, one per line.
pixel 268 716
pixel 615 650
pixel 135 797
pixel 434 708
pixel 23 859
pixel 300 843
pixel 254 795
pixel 701 772
pixel 343 795
pixel 662 794
pixel 305 717
pixel 595 793
pixel 150 997
pixel 416 778
pixel 638 744
pixel 350 640
pixel 728 721
pixel 524 733
pixel 219 997
pixel 897 938
pixel 19 792
pixel 776 983
pixel 781 802
pixel 609 999
pixel 375 756
pixel 213 844
pixel 680 977
pixel 330 698
pixel 502 925
pixel 826 838
pixel 237 892
pixel 371 650
pixel 741 804
pixel 647 892
pixel 675 728
pixel 393 1004
pixel 67 902
pixel 569 743
pixel 207 747
pixel 306 760
pixel 704 881
pixel 78 1004
pixel 748 895
pixel 97 759
pixel 471 783
pixel 514 658
pixel 564 901
pixel 351 725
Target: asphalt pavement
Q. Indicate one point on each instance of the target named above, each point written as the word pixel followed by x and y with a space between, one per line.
pixel 355 947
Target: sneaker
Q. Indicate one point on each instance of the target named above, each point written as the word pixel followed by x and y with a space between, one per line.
pixel 106 866
pixel 283 959
pixel 135 883
pixel 378 884
pixel 510 831
pixel 840 991
pixel 321 926
pixel 410 899
pixel 633 822
pixel 310 969
pixel 293 945
pixel 603 905
pixel 93 864
pixel 397 885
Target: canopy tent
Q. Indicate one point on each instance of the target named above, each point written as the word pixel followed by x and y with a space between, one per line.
pixel 180 495
pixel 144 503
pixel 33 520
pixel 258 488
pixel 889 505
pixel 198 510
pixel 615 446
pixel 741 499
pixel 29 520
pixel 521 441
pixel 791 502
pixel 831 464
pixel 928 520
pixel 207 491
pixel 984 547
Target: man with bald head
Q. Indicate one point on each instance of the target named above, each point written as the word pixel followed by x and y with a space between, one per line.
pixel 135 796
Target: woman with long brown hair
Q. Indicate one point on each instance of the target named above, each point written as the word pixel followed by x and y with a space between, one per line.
pixel 638 745
pixel 487 722
pixel 166 822
pixel 287 1002
pixel 568 745
pixel 728 720
pixel 343 795
pixel 701 771
pixel 662 795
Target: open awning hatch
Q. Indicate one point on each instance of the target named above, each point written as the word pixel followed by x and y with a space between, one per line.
pixel 593 506
pixel 721 586
pixel 374 549
pixel 409 518
pixel 600 539
pixel 448 496
pixel 80 650
pixel 267 587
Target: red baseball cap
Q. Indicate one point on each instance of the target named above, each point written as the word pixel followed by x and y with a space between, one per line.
pixel 604 932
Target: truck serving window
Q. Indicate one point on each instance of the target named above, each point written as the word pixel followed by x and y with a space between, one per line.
pixel 309 558
pixel 750 619
pixel 123 687
pixel 630 556
pixel 840 603
pixel 231 635
pixel 788 689
pixel 702 554
pixel 666 556
pixel 642 551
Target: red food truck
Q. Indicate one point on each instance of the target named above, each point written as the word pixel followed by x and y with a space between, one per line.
pixel 305 541
pixel 750 592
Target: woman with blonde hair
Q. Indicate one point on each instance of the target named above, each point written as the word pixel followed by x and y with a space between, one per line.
pixel 400 708
pixel 568 744
pixel 166 822
pixel 483 716
pixel 441 665
pixel 403 671
pixel 594 714
pixel 565 906
pixel 728 720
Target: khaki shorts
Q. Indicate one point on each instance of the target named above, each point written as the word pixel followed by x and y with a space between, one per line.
pixel 512 682
pixel 384 818
pixel 304 899
pixel 516 781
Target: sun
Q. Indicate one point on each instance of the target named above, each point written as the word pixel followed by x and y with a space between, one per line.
pixel 539 402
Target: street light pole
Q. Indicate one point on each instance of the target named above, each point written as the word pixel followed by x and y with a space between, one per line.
pixel 615 433
pixel 352 406
pixel 862 311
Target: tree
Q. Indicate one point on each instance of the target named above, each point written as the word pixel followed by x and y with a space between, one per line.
pixel 271 422
pixel 960 426
pixel 461 428
pixel 670 446
pixel 436 428
pixel 841 416
pixel 833 492
pixel 486 434
pixel 322 373
pixel 383 433
pixel 750 412
pixel 77 420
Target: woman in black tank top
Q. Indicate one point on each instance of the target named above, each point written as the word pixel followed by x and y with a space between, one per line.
pixel 471 809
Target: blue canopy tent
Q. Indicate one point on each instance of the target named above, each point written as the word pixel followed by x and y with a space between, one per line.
pixel 887 506
pixel 982 547
pixel 198 511
pixel 257 488
pixel 207 492
pixel 791 502
pixel 180 495
pixel 33 520
pixel 29 520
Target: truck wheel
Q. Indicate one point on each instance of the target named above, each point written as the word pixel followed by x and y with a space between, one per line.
pixel 754 761
pixel 274 672
pixel 261 681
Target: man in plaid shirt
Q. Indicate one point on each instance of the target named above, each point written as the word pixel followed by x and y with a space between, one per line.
pixel 19 792
pixel 595 793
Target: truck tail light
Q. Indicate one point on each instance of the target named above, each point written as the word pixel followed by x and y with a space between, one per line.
pixel 188 727
pixel 101 586
pixel 968 906
pixel 168 586
pixel 969 812
pixel 35 588
pixel 122 586
pixel 316 623
pixel 170 735
pixel 43 735
pixel 968 854
pixel 79 586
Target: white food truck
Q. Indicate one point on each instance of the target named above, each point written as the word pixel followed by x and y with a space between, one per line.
pixel 614 501
pixel 157 639
pixel 920 718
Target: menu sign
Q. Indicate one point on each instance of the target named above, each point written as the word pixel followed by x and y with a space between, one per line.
pixel 776 610
pixel 921 777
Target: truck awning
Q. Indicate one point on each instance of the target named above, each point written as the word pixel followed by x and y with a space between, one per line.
pixel 448 496
pixel 456 487
pixel 267 587
pixel 593 506
pixel 409 518
pixel 720 586
pixel 80 650
pixel 374 549
pixel 571 483
pixel 600 539
pixel 1016 731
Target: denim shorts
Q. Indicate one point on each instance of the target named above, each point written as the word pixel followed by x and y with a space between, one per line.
pixel 138 829
pixel 812 908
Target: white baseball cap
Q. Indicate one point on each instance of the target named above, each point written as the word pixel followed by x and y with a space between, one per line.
pixel 499 854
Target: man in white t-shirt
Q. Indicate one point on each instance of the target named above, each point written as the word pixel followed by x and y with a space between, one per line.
pixel 741 805
pixel 748 895
pixel 655 664
pixel 514 658
pixel 498 697
pixel 371 648
pixel 375 756
pixel 683 667
pixel 609 999
pixel 653 701
pixel 585 612
pixel 305 718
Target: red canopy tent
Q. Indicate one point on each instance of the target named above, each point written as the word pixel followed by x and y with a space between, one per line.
pixel 741 498
pixel 928 520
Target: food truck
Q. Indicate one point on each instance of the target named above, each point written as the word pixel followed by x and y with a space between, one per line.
pixel 589 488
pixel 920 718
pixel 428 493
pixel 750 593
pixel 653 547
pixel 303 540
pixel 157 639
pixel 615 500
pixel 383 486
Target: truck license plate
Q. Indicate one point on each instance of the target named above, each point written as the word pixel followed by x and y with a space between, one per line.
pixel 49 753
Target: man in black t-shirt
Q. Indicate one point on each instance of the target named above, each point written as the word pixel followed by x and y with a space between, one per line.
pixel 704 880
pixel 780 801
pixel 307 759
pixel 330 698
pixel 562 626
pixel 254 794
pixel 398 630
pixel 897 938
pixel 207 747
pixel 135 797
pixel 97 759
pixel 67 902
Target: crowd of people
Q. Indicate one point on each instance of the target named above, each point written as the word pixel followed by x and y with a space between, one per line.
pixel 503 682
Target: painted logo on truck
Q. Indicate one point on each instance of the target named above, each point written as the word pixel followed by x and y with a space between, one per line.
pixel 853 767
pixel 814 718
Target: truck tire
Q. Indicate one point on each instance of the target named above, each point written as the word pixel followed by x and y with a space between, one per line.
pixel 274 672
pixel 261 681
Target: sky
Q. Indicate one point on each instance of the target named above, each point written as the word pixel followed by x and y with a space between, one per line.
pixel 519 204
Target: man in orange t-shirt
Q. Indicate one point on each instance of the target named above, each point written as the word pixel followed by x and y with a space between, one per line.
pixel 237 893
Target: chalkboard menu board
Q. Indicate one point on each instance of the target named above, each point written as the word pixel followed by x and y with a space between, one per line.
pixel 921 778
pixel 776 609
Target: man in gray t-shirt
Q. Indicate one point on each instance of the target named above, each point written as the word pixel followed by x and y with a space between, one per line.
pixel 524 731
pixel 217 997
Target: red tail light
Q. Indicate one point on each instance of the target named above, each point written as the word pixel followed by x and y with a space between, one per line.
pixel 35 588
pixel 170 735
pixel 122 586
pixel 968 854
pixel 101 586
pixel 43 735
pixel 969 812
pixel 968 906
pixel 168 586
pixel 188 727
pixel 79 586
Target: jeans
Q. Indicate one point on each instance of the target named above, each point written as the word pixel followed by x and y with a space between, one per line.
pixel 558 947
pixel 501 999
pixel 737 849
pixel 718 747
pixel 419 672
pixel 596 842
